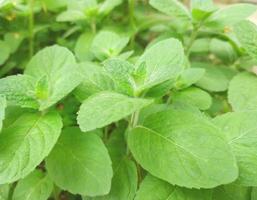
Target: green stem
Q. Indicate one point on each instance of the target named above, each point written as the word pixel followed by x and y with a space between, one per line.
pixel 93 26
pixel 132 21
pixel 192 39
pixel 11 191
pixel 31 28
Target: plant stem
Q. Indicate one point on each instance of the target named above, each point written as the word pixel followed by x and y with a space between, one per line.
pixel 93 26
pixel 11 191
pixel 31 28
pixel 132 21
pixel 192 39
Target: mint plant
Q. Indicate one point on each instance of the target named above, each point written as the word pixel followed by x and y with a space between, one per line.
pixel 127 100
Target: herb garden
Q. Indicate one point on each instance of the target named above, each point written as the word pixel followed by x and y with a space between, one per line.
pixel 127 100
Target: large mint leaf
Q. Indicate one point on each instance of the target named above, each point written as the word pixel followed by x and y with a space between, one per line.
pixel 36 186
pixel 242 92
pixel 214 78
pixel 193 96
pixel 83 45
pixel 57 67
pixel 230 15
pixel 153 188
pixel 107 44
pixel 183 149
pixel 19 90
pixel 246 33
pixel 2 110
pixel 25 143
pixel 121 73
pixel 80 163
pixel 171 7
pixel 104 108
pixel 164 61
pixel 4 191
pixel 95 79
pixel 241 132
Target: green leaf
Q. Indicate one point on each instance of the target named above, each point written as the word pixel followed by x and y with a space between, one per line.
pixel 254 193
pixel 35 186
pixel 121 73
pixel 95 79
pixel 183 154
pixel 4 191
pixel 5 52
pixel 246 33
pixel 231 192
pixel 19 90
pixel 223 50
pixel 153 188
pixel 59 67
pixel 104 108
pixel 83 46
pixel 201 9
pixel 25 143
pixel 214 79
pixel 108 5
pixel 71 16
pixel 13 40
pixel 189 77
pixel 171 7
pixel 241 132
pixel 230 15
pixel 3 105
pixel 193 96
pixel 242 92
pixel 164 61
pixel 107 44
pixel 80 163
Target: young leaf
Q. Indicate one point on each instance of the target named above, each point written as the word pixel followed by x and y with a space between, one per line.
pixel 241 132
pixel 193 96
pixel 104 108
pixel 171 7
pixel 201 9
pixel 153 188
pixel 108 44
pixel 3 105
pixel 108 5
pixel 214 79
pixel 13 40
pixel 80 163
pixel 25 143
pixel 164 61
pixel 246 33
pixel 183 154
pixel 59 67
pixel 242 92
pixel 230 15
pixel 121 72
pixel 35 186
pixel 95 79
pixel 19 91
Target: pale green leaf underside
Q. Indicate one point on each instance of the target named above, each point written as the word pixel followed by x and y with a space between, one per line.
pixel 241 131
pixel 153 188
pixel 192 154
pixel 242 92
pixel 164 61
pixel 171 7
pixel 230 15
pixel 36 186
pixel 25 143
pixel 104 108
pixel 59 67
pixel 80 163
